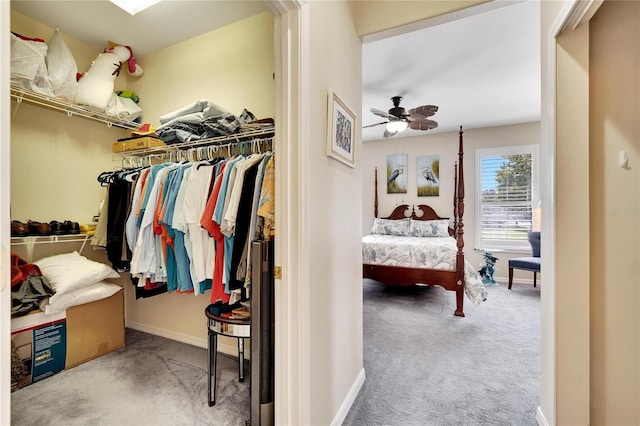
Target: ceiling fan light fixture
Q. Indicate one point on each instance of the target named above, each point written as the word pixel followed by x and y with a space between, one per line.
pixel 397 126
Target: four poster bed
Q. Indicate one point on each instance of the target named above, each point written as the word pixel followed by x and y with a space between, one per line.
pixel 414 245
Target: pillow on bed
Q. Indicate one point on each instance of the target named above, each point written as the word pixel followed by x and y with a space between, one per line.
pixel 429 228
pixel 71 271
pixel 391 227
pixel 97 291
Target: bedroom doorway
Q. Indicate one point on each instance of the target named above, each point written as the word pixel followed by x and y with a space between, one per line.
pixel 376 149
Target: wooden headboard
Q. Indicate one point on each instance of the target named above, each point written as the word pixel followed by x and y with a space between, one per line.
pixel 419 212
pixel 457 231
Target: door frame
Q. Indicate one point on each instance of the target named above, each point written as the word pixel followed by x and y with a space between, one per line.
pixel 572 14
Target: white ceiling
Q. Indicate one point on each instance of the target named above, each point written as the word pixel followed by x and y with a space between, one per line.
pixel 481 67
pixel 169 22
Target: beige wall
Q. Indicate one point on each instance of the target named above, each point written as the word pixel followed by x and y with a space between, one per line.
pixel 334 211
pixel 615 213
pixel 375 16
pixel 446 146
pixel 232 67
pixel 55 159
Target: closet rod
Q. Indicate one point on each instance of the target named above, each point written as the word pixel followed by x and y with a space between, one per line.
pixel 199 153
pixel 21 94
pixel 244 136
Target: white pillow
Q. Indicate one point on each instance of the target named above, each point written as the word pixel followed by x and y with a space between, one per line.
pixel 97 291
pixel 391 227
pixel 71 271
pixel 429 228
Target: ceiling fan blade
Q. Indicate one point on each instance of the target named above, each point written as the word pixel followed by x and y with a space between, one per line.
pixel 388 134
pixel 373 125
pixel 422 112
pixel 423 124
pixel 381 113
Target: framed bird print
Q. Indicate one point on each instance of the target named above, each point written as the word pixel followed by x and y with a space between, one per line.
pixel 428 175
pixel 341 130
pixel 397 174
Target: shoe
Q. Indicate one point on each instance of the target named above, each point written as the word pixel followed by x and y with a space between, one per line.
pixel 19 229
pixel 86 228
pixel 57 228
pixel 38 228
pixel 71 227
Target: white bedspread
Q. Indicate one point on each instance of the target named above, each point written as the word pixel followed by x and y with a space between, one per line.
pixel 421 252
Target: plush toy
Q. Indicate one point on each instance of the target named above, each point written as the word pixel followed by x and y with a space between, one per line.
pixel 96 86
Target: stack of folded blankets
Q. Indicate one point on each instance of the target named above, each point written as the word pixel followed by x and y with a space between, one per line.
pixel 201 120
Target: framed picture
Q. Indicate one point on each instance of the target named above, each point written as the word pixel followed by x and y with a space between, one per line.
pixel 341 131
pixel 428 175
pixel 397 174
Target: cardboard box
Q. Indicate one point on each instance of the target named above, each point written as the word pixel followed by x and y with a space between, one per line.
pixel 38 347
pixel 95 329
pixel 43 345
pixel 137 143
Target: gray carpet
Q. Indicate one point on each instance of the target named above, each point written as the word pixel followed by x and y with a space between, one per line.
pixel 152 381
pixel 426 367
pixel 423 365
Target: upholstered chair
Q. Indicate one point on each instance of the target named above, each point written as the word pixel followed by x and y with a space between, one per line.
pixel 527 263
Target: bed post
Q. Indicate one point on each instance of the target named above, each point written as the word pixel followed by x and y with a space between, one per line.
pixel 460 231
pixel 455 199
pixel 375 201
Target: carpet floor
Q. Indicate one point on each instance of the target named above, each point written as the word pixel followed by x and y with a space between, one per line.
pixel 425 366
pixel 152 381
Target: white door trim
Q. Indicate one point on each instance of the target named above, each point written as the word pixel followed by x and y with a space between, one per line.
pixel 573 14
pixel 5 249
pixel 292 357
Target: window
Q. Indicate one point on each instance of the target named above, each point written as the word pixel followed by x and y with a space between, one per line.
pixel 506 194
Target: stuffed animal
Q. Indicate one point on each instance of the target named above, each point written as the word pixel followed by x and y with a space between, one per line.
pixel 96 86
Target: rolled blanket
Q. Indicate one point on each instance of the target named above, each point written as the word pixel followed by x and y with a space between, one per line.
pixel 193 113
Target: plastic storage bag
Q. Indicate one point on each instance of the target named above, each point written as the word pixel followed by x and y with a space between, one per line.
pixel 62 68
pixel 28 67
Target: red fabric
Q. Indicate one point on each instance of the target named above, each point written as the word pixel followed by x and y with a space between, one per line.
pixel 21 270
pixel 217 286
pixel 206 220
pixel 39 40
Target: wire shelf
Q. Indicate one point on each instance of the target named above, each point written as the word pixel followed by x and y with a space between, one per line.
pixel 245 136
pixel 21 94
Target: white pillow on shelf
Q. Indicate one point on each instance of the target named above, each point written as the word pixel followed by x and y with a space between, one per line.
pixel 71 271
pixel 92 293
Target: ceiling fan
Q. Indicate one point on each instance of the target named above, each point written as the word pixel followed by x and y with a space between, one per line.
pixel 398 119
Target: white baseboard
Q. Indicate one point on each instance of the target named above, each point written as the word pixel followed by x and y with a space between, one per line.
pixel 350 398
pixel 525 281
pixel 542 421
pixel 229 349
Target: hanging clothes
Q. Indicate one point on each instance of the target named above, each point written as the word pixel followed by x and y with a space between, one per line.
pixel 187 227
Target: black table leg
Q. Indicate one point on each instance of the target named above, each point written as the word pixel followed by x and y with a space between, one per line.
pixel 241 359
pixel 213 352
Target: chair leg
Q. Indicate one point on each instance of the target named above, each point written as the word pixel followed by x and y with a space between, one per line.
pixel 510 278
pixel 534 278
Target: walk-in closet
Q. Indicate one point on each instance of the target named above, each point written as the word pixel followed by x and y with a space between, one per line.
pixel 63 159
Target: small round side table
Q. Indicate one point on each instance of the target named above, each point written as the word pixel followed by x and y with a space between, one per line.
pixel 238 328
